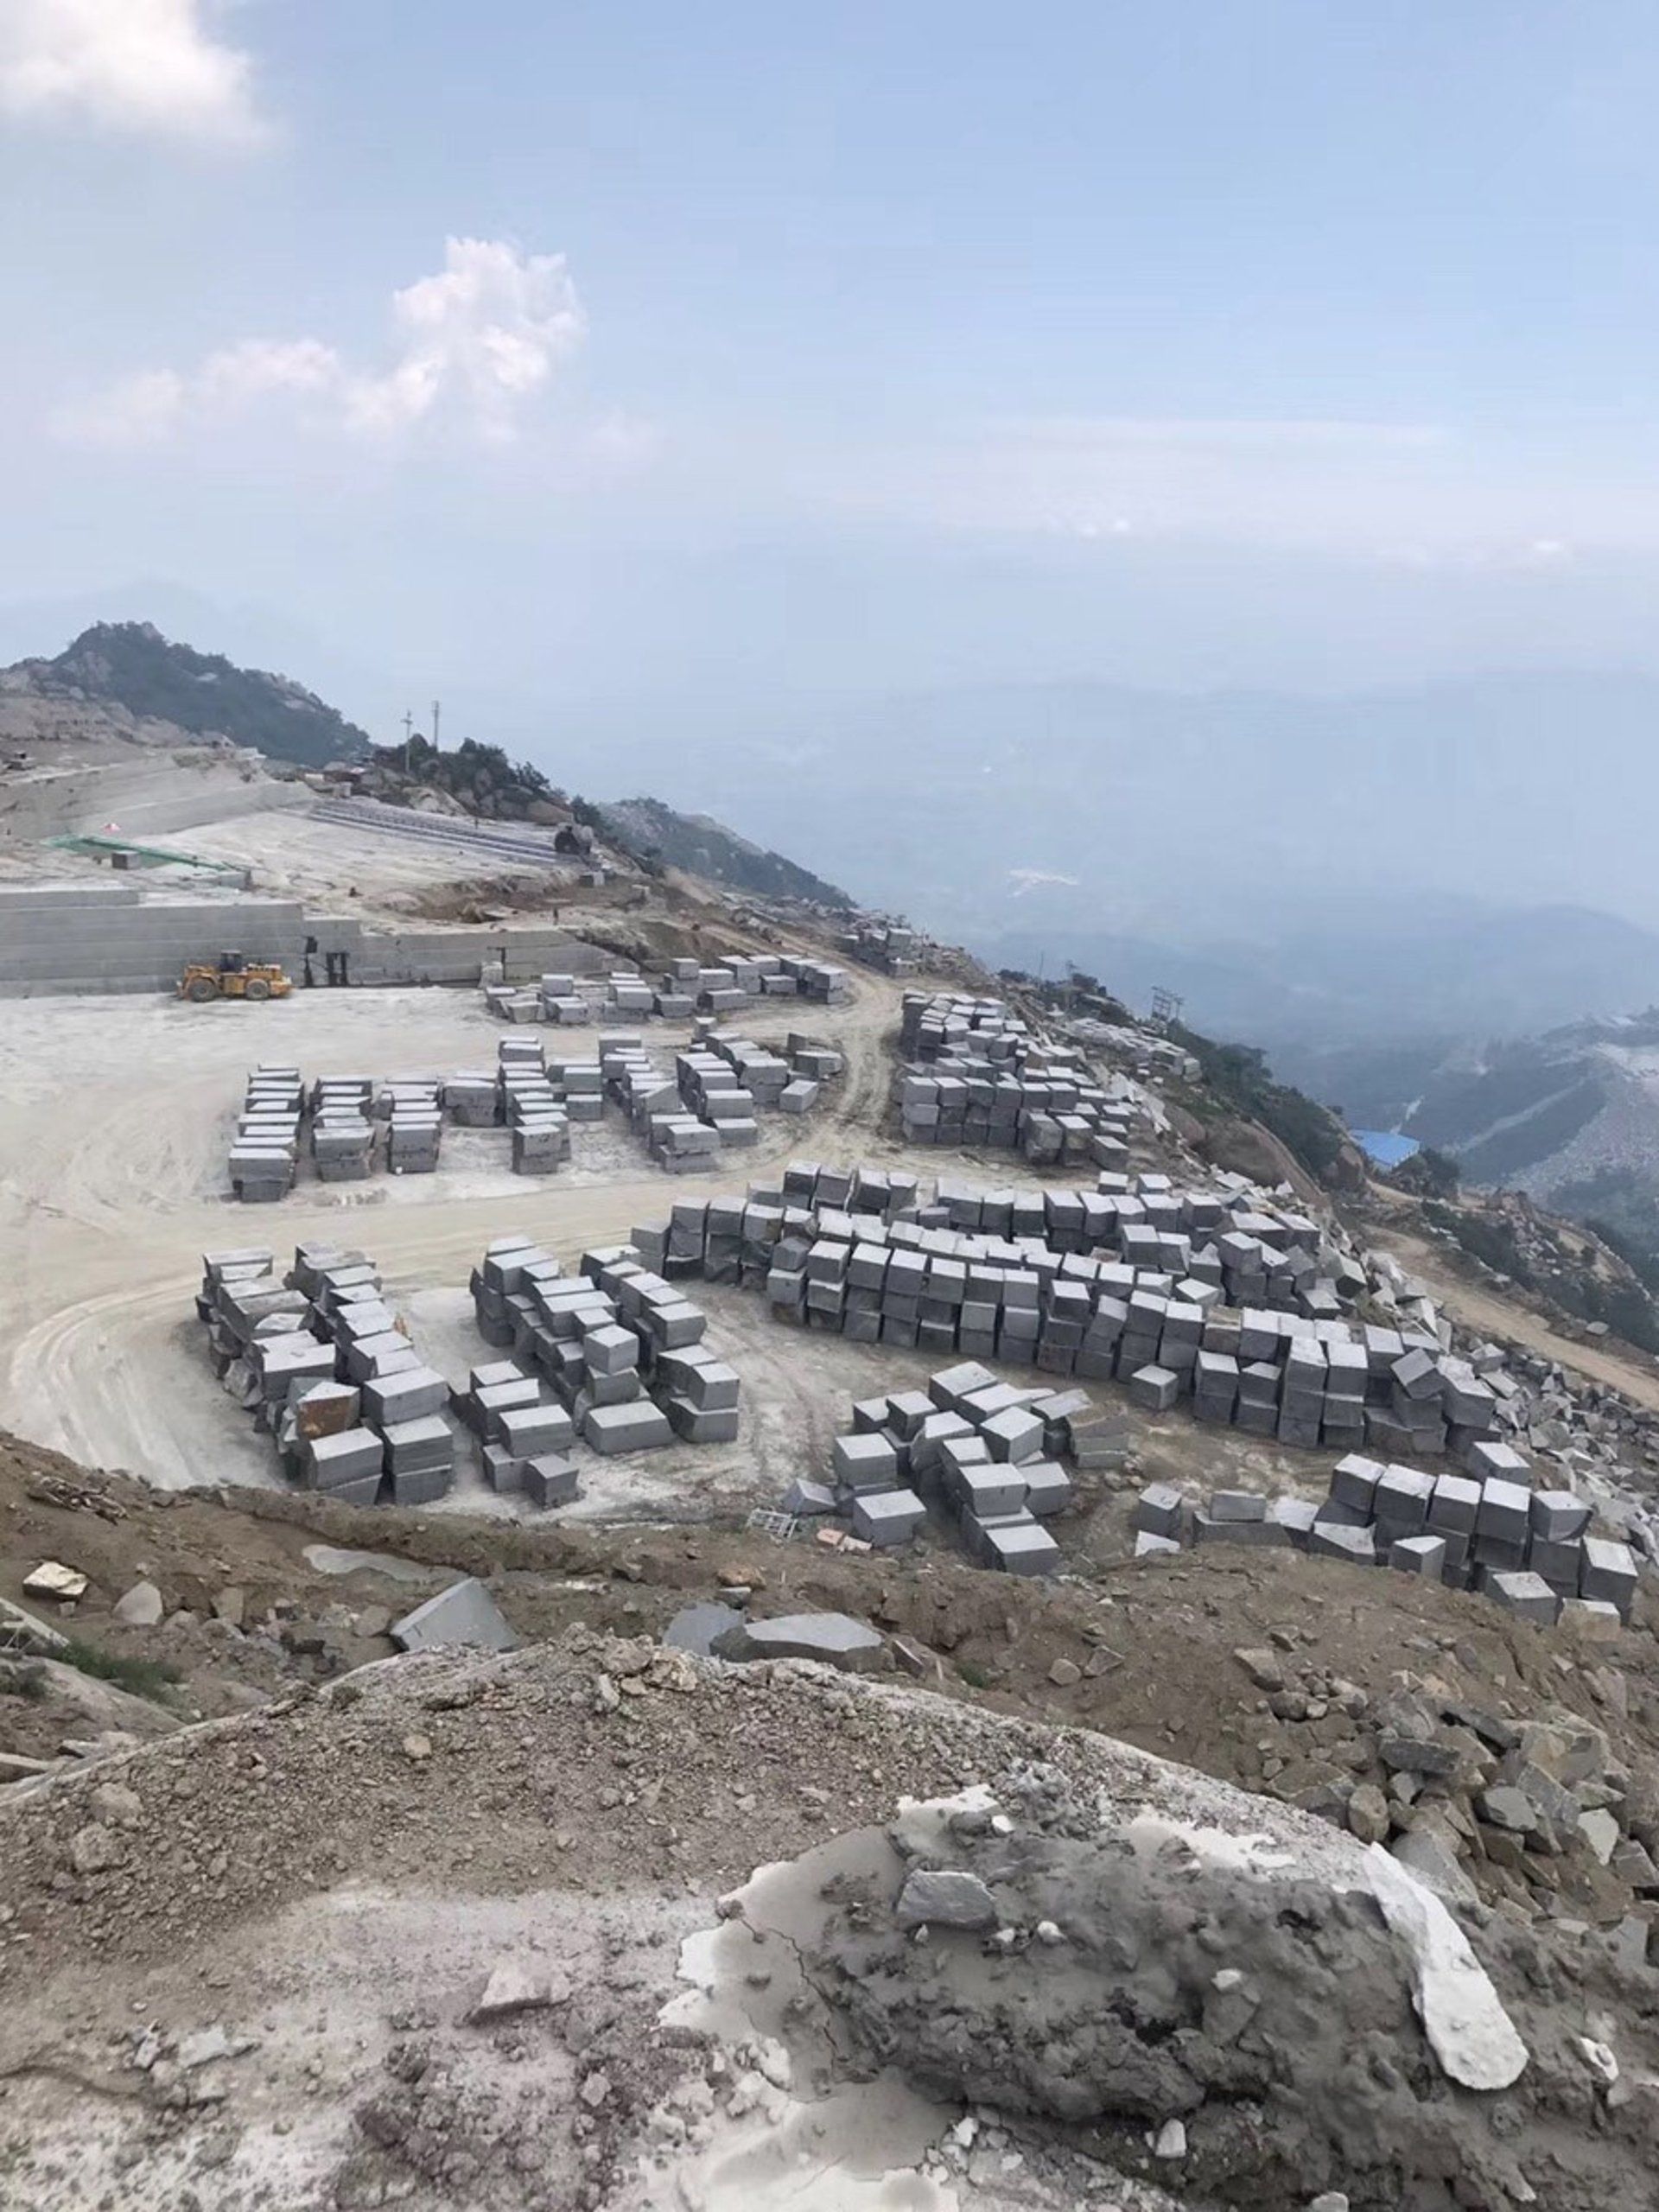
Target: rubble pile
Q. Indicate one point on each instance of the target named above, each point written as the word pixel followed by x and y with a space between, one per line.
pixel 1536 1810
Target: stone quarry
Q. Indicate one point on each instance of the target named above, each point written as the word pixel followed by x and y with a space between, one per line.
pixel 683 1501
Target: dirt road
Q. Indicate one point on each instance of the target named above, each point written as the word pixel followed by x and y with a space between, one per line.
pixel 1490 1313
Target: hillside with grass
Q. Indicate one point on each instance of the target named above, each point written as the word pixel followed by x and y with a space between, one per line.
pixel 148 686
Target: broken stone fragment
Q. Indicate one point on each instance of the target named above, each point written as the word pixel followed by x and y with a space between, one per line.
pixel 949 1899
pixel 52 1579
pixel 1430 1851
pixel 208 2044
pixel 1263 1668
pixel 1406 1755
pixel 513 1988
pixel 142 1607
pixel 1368 1813
pixel 115 1802
pixel 1509 1808
pixel 1470 2032
pixel 834 1639
pixel 1600 1831
pixel 94 1850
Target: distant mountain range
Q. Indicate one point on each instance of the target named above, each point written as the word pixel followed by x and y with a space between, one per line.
pixel 1338 983
pixel 1190 820
pixel 1363 884
pixel 137 678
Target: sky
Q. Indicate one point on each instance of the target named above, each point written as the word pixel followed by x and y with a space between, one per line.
pixel 533 353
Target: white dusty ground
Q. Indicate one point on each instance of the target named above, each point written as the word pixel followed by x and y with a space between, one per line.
pixel 335 868
pixel 115 1116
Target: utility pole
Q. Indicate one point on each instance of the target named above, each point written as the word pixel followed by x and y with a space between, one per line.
pixel 408 733
pixel 436 711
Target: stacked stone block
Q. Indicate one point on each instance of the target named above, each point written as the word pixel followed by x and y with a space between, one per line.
pixel 1529 1550
pixel 327 1368
pixel 342 1129
pixel 619 1347
pixel 264 1151
pixel 725 985
pixel 983 1453
pixel 976 1075
pixel 414 1112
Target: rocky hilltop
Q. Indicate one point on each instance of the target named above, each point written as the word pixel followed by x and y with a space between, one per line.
pixel 125 679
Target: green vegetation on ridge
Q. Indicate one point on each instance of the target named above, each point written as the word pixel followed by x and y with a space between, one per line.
pixel 132 665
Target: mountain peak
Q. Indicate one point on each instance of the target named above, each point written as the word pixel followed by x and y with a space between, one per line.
pixel 132 669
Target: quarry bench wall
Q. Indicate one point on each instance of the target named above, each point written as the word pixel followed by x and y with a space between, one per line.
pixel 111 937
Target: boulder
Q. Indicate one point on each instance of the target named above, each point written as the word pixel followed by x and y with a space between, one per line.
pixel 142 1607
pixel 834 1639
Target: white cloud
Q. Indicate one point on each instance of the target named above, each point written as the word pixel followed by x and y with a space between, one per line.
pixel 475 342
pixel 134 65
pixel 258 366
pixel 487 330
pixel 1037 879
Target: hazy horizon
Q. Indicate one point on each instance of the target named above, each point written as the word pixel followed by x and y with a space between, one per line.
pixel 1055 475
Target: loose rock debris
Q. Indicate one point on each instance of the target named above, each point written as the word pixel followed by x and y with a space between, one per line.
pixel 1071 1950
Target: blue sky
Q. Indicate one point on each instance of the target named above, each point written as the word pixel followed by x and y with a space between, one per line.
pixel 586 351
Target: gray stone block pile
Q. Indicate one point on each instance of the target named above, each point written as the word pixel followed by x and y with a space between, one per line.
pixel 1045 1279
pixel 1529 1550
pixel 985 1455
pixel 412 1108
pixel 342 1129
pixel 726 985
pixel 264 1151
pixel 328 1370
pixel 471 1096
pixel 975 1074
pixel 892 947
pixel 620 1348
pixel 530 1098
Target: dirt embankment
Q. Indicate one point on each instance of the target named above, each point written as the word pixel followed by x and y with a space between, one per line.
pixel 1147 1652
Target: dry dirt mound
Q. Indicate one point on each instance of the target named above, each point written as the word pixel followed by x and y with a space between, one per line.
pixel 252 1961
pixel 1376 1699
